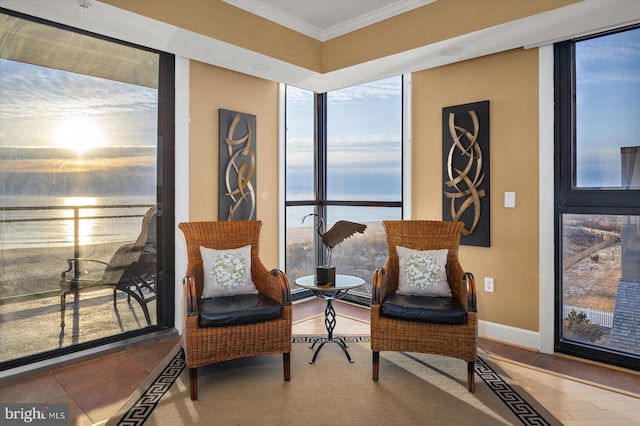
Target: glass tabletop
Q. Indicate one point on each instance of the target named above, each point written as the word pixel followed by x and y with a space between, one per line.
pixel 343 282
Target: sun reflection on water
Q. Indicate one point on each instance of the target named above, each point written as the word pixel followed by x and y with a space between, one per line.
pixel 86 225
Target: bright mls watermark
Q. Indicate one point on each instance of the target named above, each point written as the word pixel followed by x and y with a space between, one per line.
pixel 34 414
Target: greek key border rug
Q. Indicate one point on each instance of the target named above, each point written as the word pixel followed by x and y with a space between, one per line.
pixel 412 389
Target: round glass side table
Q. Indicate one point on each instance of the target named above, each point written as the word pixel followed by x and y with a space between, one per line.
pixel 336 291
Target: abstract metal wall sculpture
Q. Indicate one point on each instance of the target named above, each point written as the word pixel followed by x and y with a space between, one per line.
pixel 465 156
pixel 237 175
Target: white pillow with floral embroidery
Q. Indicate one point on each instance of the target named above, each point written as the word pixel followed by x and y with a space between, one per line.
pixel 227 272
pixel 423 273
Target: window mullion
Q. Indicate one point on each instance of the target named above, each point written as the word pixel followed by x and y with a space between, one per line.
pixel 321 169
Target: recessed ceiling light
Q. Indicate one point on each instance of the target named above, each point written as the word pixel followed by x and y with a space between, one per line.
pixel 85 5
pixel 261 67
pixel 450 51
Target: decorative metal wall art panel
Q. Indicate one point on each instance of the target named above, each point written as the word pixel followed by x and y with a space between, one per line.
pixel 465 159
pixel 237 174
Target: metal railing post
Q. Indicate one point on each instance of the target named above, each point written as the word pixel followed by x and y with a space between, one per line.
pixel 76 242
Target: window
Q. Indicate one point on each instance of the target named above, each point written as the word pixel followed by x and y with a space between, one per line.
pixel 598 197
pixel 343 162
pixel 86 171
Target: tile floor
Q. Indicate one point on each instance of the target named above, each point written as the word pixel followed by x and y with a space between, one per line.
pixel 577 393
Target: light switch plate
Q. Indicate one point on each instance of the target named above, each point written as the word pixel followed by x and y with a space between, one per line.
pixel 510 200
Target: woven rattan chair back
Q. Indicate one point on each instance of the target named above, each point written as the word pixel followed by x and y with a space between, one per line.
pixel 425 235
pixel 389 334
pixel 207 345
pixel 220 236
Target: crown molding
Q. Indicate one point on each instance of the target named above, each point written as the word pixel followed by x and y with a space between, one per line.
pixel 274 15
pixel 386 12
pixel 263 10
pixel 560 24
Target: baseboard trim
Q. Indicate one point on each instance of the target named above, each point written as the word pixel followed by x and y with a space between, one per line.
pixel 510 335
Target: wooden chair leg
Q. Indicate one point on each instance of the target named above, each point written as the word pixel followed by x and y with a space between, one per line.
pixel 376 365
pixel 193 383
pixel 470 376
pixel 286 359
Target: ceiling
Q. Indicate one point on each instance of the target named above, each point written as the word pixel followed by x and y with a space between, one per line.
pixel 326 19
pixel 584 17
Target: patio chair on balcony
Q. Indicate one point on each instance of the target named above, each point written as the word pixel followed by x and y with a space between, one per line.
pixel 131 269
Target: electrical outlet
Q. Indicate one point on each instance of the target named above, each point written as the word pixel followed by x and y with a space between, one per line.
pixel 510 200
pixel 488 284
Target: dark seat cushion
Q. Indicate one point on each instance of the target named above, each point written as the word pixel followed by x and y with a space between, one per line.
pixel 237 310
pixel 436 310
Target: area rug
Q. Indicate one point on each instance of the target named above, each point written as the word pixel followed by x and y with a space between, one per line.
pixel 413 389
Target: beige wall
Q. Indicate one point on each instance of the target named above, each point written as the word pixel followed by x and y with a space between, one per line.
pixel 220 20
pixel 509 81
pixel 213 88
pixel 427 24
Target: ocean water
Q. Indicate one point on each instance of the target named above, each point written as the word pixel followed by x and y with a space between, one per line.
pixel 294 215
pixel 49 221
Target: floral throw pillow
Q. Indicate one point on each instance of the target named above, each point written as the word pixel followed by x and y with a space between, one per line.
pixel 227 272
pixel 423 273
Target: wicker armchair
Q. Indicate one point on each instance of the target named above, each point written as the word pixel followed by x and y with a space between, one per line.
pixel 392 334
pixel 211 344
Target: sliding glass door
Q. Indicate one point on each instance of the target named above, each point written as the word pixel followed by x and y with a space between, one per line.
pixel 81 180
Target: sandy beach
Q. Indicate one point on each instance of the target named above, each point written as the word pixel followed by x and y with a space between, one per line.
pixel 30 311
pixel 33 326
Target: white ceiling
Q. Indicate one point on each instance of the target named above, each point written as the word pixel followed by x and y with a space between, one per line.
pixel 578 19
pixel 326 19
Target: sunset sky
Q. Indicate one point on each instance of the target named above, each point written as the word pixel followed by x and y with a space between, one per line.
pixel 48 107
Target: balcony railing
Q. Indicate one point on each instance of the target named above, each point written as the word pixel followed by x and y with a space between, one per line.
pixel 76 213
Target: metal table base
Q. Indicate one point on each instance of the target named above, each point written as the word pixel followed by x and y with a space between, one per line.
pixel 330 324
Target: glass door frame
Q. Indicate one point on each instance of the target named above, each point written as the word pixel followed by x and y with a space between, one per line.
pixel 570 199
pixel 165 204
